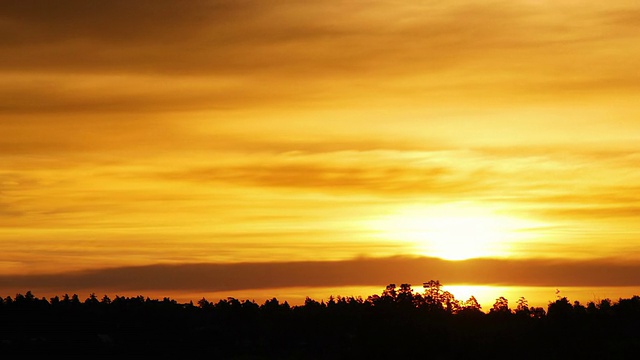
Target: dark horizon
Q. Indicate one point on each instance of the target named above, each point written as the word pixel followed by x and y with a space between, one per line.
pixel 397 322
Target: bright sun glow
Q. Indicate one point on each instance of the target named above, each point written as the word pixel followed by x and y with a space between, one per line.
pixel 455 231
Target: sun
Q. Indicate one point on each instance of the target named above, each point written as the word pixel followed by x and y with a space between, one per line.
pixel 455 231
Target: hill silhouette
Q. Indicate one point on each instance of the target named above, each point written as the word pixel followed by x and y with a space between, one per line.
pixel 398 322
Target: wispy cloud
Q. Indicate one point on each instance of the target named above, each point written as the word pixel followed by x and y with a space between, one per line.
pixel 180 56
pixel 327 178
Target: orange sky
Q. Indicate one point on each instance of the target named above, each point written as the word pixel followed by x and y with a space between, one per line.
pixel 218 133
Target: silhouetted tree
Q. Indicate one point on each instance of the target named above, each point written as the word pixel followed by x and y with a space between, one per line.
pixel 205 304
pixel 433 290
pixel 390 292
pixel 592 308
pixel 522 305
pixel 522 308
pixel 605 305
pixel 579 309
pixel 472 304
pixel 537 312
pixel 560 309
pixel 92 299
pixel 341 328
pixel 405 296
pixel 501 306
pixel 433 295
pixel 75 299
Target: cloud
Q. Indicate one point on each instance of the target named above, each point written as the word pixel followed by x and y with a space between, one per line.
pixel 55 93
pixel 553 179
pixel 303 40
pixel 373 179
pixel 577 212
pixel 212 277
pixel 384 173
pixel 215 36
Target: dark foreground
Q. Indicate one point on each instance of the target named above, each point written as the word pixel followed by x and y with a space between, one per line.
pixel 398 323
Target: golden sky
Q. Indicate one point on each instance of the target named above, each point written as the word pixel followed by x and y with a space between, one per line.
pixel 166 138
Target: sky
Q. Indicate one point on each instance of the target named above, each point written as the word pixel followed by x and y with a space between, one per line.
pixel 289 148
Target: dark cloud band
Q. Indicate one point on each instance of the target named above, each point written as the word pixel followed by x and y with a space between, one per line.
pixel 357 272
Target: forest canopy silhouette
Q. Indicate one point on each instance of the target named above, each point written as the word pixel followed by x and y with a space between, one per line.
pixel 398 321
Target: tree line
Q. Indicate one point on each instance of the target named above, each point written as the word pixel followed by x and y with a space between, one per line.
pixel 399 321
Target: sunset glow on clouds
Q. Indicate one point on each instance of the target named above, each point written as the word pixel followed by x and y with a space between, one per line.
pixel 155 133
